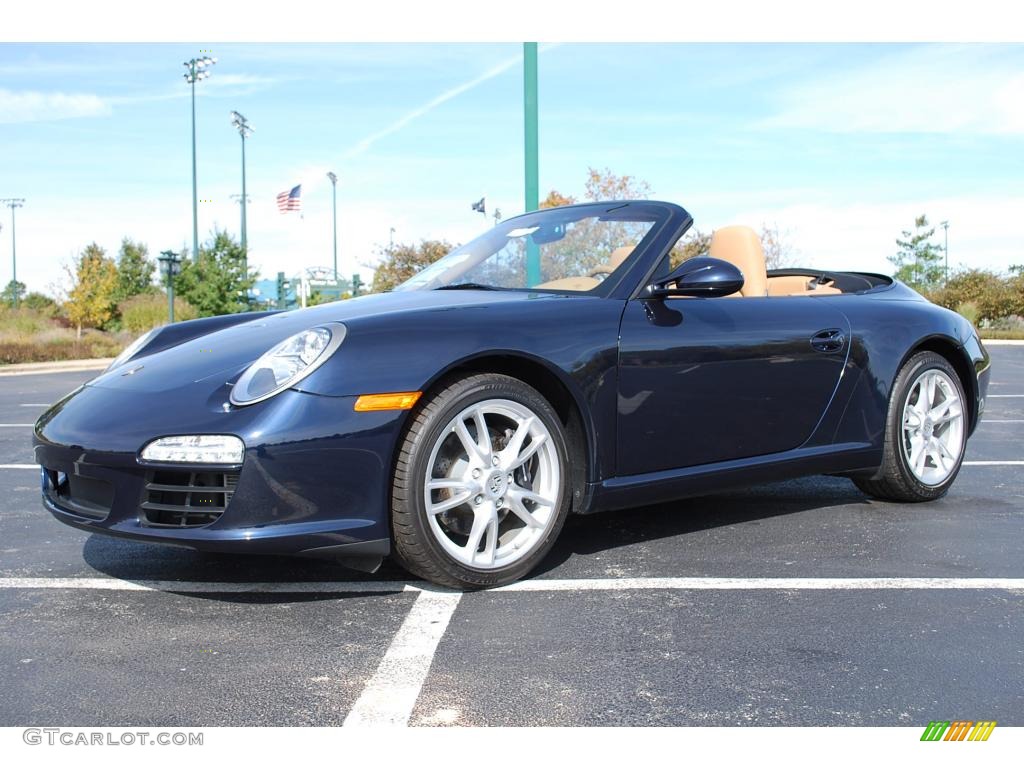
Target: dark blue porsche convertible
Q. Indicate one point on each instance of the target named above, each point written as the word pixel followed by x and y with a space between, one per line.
pixel 567 361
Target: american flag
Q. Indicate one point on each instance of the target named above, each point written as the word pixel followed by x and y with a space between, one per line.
pixel 289 201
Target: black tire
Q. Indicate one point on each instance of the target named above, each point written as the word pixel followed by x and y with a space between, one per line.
pixel 415 546
pixel 895 481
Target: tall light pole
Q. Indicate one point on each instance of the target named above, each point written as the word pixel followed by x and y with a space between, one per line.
pixel 334 198
pixel 12 203
pixel 196 69
pixel 945 251
pixel 244 130
pixel 530 152
pixel 170 261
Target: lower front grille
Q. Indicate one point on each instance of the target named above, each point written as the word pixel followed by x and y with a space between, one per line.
pixel 183 499
pixel 84 496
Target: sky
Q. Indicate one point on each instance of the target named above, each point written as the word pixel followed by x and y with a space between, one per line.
pixel 839 146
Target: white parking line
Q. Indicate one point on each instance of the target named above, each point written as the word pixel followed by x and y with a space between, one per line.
pixel 19 466
pixel 993 463
pixel 991 396
pixel 706 583
pixel 123 585
pixel 391 694
pixel 35 405
pixel 16 425
pixel 1002 421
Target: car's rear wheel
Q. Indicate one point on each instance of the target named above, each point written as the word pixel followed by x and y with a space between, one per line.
pixel 926 433
pixel 480 483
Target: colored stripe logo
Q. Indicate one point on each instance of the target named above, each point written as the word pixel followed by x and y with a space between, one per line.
pixel 958 730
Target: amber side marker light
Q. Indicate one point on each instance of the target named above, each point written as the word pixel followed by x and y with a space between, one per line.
pixel 390 401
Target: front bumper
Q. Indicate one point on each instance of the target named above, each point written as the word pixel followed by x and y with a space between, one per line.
pixel 314 480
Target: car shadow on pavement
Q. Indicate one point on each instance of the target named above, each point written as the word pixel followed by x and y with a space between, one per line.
pixel 607 531
pixel 583 535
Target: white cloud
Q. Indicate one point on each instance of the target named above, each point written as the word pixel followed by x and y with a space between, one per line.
pixel 984 232
pixel 926 89
pixel 34 106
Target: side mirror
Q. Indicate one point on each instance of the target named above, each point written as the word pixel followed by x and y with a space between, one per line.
pixel 701 276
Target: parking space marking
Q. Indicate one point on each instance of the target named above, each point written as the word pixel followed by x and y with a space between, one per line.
pixel 15 425
pixel 1005 396
pixel 1002 421
pixel 391 694
pixel 35 405
pixel 535 585
pixel 143 585
pixel 19 466
pixel 994 463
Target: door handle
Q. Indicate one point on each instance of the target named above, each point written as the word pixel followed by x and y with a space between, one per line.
pixel 829 340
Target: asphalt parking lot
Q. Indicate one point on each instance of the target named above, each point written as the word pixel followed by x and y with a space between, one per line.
pixel 798 603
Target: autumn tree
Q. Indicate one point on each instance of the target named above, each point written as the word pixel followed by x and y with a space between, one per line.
pixel 134 270
pixel 556 199
pixel 600 186
pixel 605 185
pixel 217 282
pixel 91 300
pixel 778 252
pixel 918 261
pixel 400 261
pixel 694 243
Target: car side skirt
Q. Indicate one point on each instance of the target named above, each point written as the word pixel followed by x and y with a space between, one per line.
pixel 669 485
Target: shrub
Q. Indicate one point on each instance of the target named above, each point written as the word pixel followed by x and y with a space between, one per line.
pixel 969 309
pixel 140 313
pixel 41 303
pixel 993 295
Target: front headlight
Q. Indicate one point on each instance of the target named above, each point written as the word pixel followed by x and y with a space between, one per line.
pixel 287 364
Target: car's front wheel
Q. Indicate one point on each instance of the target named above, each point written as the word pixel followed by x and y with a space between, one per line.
pixel 480 484
pixel 926 432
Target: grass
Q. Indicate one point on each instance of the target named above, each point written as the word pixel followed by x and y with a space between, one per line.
pixel 29 336
pixel 995 333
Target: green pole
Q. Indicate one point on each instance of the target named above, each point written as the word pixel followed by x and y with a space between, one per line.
pixel 530 152
pixel 245 241
pixel 334 219
pixel 195 194
pixel 14 258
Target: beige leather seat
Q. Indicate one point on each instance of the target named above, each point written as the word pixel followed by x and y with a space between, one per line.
pixel 597 274
pixel 740 245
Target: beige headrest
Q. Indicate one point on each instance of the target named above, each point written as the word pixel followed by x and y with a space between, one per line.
pixel 618 256
pixel 741 246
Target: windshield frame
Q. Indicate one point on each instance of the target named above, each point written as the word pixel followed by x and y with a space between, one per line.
pixel 664 218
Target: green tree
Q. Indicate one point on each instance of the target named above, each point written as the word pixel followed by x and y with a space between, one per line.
pixel 216 283
pixel 13 292
pixel 40 302
pixel 919 262
pixel 134 270
pixel 400 262
pixel 91 300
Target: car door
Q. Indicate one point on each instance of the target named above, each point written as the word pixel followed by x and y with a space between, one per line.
pixel 703 380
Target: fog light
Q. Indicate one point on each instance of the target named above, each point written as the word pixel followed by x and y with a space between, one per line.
pixel 196 449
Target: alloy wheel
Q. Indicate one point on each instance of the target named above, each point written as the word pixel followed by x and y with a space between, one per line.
pixel 493 484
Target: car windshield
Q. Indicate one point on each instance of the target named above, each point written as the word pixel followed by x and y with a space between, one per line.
pixel 574 249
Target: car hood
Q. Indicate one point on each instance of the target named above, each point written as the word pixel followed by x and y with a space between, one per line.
pixel 220 356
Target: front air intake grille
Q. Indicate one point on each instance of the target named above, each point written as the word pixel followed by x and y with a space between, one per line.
pixel 84 496
pixel 182 499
